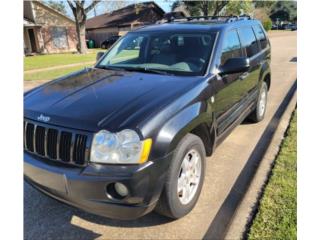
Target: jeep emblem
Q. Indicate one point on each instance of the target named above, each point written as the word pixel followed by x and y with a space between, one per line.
pixel 43 118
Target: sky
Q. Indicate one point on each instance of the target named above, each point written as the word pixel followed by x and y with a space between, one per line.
pixel 100 9
pixel 165 5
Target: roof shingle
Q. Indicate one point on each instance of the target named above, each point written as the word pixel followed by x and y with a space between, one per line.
pixel 143 13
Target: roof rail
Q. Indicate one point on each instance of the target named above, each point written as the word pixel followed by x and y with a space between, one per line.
pixel 225 19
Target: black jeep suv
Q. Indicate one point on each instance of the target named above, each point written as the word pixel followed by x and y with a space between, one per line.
pixel 132 133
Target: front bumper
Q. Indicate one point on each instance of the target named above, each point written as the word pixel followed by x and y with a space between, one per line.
pixel 85 188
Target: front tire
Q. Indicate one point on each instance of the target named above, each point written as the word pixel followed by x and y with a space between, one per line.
pixel 259 112
pixel 185 178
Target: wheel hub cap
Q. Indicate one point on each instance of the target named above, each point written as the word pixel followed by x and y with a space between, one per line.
pixel 189 176
pixel 262 103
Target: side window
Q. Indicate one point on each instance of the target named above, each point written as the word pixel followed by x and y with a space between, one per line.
pixel 249 41
pixel 261 36
pixel 231 47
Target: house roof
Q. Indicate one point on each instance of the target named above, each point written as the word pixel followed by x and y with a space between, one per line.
pixel 131 14
pixel 29 23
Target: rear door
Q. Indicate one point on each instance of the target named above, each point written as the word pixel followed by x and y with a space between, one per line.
pixel 264 57
pixel 250 45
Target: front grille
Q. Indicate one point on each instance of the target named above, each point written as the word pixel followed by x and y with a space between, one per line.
pixel 65 146
pixel 40 140
pixel 57 144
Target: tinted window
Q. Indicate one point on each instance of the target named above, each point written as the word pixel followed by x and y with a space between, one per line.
pixel 249 41
pixel 231 47
pixel 260 36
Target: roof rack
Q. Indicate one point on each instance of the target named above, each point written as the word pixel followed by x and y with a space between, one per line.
pixel 224 19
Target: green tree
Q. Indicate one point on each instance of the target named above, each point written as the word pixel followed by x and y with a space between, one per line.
pixel 264 4
pixel 267 24
pixel 284 11
pixel 201 8
pixel 236 7
pixel 262 14
pixel 57 5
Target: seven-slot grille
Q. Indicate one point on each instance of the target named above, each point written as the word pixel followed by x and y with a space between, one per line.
pixel 56 144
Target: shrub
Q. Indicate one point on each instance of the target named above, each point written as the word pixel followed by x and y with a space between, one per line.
pixel 267 24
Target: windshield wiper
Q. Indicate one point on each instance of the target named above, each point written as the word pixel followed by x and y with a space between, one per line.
pixel 132 69
pixel 110 68
pixel 148 70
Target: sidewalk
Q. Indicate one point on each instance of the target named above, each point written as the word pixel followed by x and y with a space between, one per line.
pixel 57 67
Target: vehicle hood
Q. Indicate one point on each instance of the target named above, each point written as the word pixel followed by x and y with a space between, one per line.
pixel 94 99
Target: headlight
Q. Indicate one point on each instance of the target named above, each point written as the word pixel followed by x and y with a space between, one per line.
pixel 124 147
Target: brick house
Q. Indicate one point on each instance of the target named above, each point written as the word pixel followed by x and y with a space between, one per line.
pixel 120 21
pixel 46 30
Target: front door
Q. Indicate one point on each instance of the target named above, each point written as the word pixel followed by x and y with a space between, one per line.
pixel 229 88
pixel 32 39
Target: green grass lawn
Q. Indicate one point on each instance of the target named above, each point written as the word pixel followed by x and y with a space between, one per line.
pixel 52 74
pixel 277 213
pixel 52 60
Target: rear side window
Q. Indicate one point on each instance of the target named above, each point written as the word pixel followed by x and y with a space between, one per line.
pixel 260 36
pixel 231 47
pixel 249 41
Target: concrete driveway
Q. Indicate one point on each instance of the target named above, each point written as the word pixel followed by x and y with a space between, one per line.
pixel 45 218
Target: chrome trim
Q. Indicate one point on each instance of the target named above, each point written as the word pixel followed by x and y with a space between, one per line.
pixel 73 139
pixel 58 145
pixel 34 138
pixel 46 142
pixel 25 134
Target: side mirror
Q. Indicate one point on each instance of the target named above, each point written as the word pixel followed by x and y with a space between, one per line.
pixel 235 65
pixel 99 55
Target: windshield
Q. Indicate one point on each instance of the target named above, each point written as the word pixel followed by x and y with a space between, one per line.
pixel 161 53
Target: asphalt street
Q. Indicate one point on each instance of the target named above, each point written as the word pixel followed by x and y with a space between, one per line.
pixel 45 218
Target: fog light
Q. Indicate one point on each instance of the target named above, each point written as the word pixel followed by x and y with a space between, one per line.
pixel 121 189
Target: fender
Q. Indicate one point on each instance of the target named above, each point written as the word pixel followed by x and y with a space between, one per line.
pixel 265 70
pixel 178 126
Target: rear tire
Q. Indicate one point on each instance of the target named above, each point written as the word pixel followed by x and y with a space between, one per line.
pixel 184 180
pixel 261 106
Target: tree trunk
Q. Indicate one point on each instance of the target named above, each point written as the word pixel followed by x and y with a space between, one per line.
pixel 80 15
pixel 81 32
pixel 219 5
pixel 82 39
pixel 205 9
pixel 78 34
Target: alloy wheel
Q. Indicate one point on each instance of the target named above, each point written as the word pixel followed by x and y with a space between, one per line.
pixel 189 176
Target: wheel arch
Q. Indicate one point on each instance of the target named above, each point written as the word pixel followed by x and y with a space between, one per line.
pixel 207 138
pixel 267 79
pixel 265 74
pixel 195 120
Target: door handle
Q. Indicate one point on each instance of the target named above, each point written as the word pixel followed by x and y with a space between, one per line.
pixel 244 75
